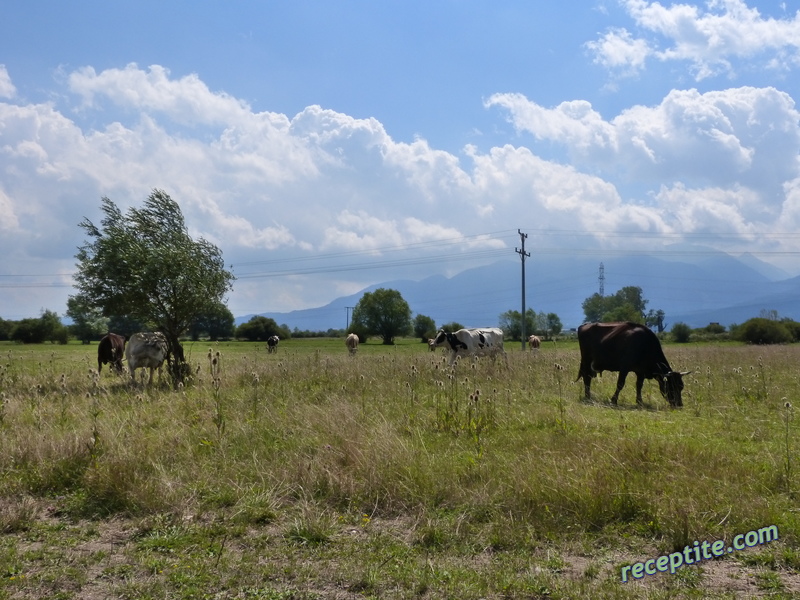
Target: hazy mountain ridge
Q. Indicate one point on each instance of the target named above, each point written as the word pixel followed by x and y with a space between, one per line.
pixel 694 285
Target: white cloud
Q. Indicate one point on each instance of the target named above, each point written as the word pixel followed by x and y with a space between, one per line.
pixel 268 188
pixel 746 136
pixel 184 100
pixel 7 89
pixel 8 218
pixel 618 50
pixel 710 40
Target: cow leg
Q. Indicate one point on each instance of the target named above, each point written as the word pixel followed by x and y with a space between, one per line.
pixel 620 385
pixel 586 372
pixel 639 384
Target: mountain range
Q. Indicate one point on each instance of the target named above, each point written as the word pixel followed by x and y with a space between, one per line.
pixel 691 284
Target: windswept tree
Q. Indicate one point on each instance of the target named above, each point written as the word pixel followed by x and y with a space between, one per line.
pixel 143 264
pixel 383 313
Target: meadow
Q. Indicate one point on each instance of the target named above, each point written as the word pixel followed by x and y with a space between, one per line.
pixel 312 474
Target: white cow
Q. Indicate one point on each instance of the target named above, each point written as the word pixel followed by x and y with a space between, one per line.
pixel 534 342
pixel 351 341
pixel 472 342
pixel 147 351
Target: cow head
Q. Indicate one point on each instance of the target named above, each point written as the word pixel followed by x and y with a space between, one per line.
pixel 441 338
pixel 671 386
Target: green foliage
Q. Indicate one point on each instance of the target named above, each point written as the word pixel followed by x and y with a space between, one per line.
pixel 553 325
pixel 259 328
pixel 384 313
pixel 5 329
pixel 47 328
pixel 714 328
pixel 511 323
pixel 627 304
pixel 451 327
pixel 764 331
pixel 681 333
pixel 535 323
pixel 218 323
pixel 88 323
pixel 424 327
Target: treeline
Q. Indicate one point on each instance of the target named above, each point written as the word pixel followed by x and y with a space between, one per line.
pixel 219 327
pixel 768 328
pixel 47 328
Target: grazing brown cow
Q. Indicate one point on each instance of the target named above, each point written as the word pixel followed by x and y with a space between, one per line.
pixel 148 351
pixel 351 341
pixel 110 350
pixel 627 348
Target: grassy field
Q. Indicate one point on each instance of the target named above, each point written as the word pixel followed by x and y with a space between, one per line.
pixel 312 474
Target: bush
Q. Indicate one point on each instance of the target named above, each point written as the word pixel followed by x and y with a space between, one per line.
pixel 793 327
pixel 681 332
pixel 763 331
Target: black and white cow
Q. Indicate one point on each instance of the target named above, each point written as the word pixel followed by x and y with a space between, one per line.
pixel 472 342
pixel 272 343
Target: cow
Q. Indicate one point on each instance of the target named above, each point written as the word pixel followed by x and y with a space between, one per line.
pixel 628 348
pixel 534 342
pixel 472 342
pixel 432 344
pixel 146 350
pixel 351 341
pixel 110 350
pixel 272 343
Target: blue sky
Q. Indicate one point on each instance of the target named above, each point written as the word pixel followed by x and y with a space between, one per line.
pixel 344 144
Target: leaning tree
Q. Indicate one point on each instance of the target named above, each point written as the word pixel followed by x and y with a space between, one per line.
pixel 144 264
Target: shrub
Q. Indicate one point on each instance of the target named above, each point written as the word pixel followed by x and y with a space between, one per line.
pixel 763 331
pixel 681 332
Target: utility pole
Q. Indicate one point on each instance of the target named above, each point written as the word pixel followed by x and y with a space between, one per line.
pixel 347 310
pixel 523 255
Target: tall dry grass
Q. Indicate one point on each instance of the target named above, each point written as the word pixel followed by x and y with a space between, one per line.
pixel 502 455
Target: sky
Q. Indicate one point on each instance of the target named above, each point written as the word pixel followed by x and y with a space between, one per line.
pixel 328 146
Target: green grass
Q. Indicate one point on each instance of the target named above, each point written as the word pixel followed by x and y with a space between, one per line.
pixel 313 474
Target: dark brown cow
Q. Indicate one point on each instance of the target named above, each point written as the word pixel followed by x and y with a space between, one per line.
pixel 110 350
pixel 627 348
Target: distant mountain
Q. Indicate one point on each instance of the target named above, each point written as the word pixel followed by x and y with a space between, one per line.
pixel 693 285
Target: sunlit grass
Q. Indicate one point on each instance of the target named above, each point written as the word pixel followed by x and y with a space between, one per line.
pixel 392 456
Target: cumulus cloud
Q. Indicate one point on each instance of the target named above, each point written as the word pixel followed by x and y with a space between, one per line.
pixel 747 136
pixel 268 187
pixel 709 38
pixel 7 89
pixel 184 100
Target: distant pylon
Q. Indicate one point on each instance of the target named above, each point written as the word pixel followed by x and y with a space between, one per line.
pixel 601 279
